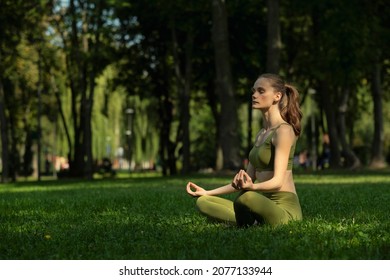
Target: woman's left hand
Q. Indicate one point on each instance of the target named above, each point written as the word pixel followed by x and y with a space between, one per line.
pixel 243 180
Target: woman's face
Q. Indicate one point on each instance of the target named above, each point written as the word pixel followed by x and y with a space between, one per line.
pixel 263 94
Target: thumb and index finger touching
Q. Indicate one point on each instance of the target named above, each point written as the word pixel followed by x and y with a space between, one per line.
pixel 192 188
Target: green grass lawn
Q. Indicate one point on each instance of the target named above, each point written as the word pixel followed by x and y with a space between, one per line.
pixel 346 216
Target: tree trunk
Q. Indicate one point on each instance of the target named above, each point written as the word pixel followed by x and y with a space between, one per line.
pixel 228 130
pixel 61 112
pixel 76 163
pixel 212 101
pixel 89 170
pixel 167 147
pixel 74 60
pixel 184 89
pixel 377 158
pixel 14 156
pixel 4 136
pixel 82 65
pixel 352 161
pixel 27 168
pixel 186 102
pixel 89 70
pixel 87 139
pixel 274 44
pixel 328 107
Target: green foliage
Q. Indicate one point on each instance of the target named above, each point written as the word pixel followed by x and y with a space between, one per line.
pixel 150 217
pixel 203 136
pixel 332 43
pixel 108 116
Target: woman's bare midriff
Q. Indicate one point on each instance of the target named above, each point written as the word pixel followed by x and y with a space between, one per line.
pixel 287 186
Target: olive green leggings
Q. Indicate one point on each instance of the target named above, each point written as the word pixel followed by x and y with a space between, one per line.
pixel 249 207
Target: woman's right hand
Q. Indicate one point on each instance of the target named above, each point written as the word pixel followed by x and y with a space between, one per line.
pixel 236 183
pixel 194 190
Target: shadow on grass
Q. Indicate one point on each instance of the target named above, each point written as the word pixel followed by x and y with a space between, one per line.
pixel 153 218
pixel 120 234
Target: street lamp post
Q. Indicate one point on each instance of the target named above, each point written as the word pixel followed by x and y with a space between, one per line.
pixel 129 133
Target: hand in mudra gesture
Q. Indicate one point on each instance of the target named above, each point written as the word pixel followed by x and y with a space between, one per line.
pixel 194 190
pixel 242 181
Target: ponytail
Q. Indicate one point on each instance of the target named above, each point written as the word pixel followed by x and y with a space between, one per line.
pixel 290 110
pixel 289 103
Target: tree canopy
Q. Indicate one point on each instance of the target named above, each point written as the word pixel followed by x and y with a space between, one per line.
pixel 166 84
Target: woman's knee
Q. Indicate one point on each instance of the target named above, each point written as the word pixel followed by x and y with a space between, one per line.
pixel 245 198
pixel 202 201
pixel 243 212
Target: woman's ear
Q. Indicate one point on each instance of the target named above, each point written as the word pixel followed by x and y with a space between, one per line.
pixel 277 96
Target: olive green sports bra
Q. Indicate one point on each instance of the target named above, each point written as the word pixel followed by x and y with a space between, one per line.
pixel 262 157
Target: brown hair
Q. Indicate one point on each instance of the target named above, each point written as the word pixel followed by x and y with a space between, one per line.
pixel 289 103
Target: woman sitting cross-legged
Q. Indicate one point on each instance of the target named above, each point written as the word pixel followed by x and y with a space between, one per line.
pixel 267 193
